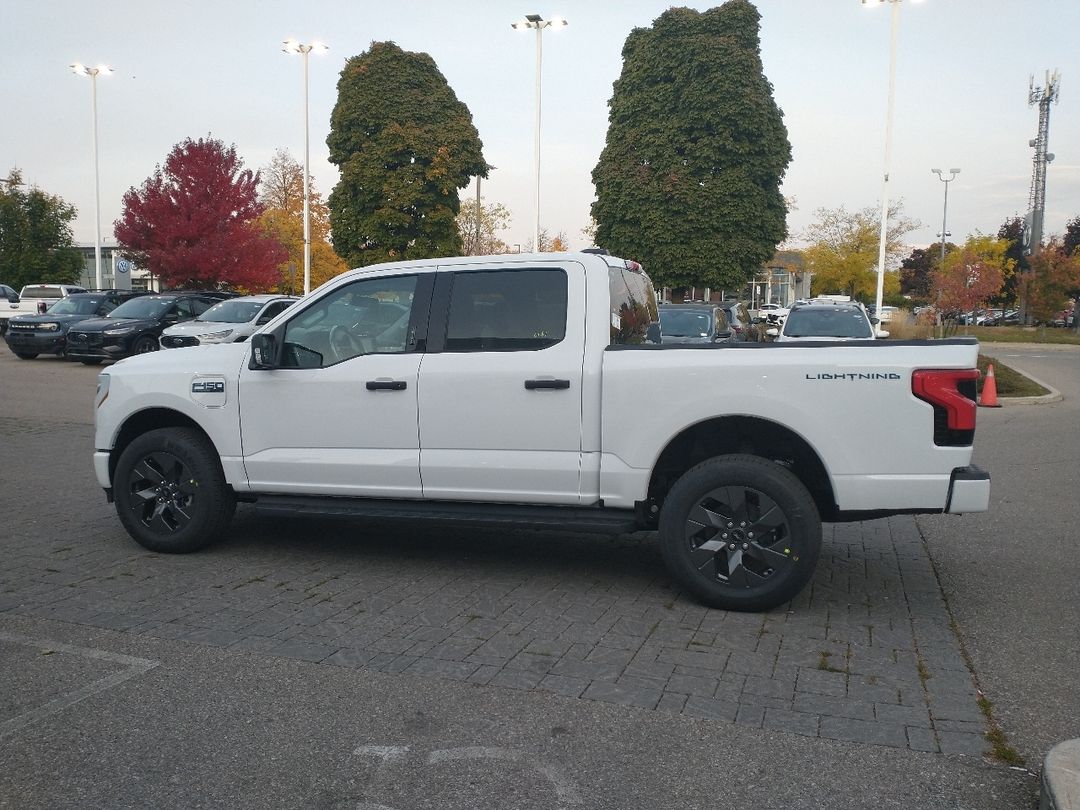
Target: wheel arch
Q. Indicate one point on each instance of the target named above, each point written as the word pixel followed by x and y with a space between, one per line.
pixel 144 421
pixel 751 435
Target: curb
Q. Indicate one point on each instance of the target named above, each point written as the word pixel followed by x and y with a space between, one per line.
pixel 1060 787
pixel 1053 396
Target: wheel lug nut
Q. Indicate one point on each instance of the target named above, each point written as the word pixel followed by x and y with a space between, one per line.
pixel 745 546
pixel 743 523
pixel 724 535
pixel 730 525
pixel 732 546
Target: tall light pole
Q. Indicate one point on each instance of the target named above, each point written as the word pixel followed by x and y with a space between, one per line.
pixel 93 73
pixel 292 46
pixel 539 23
pixel 883 238
pixel 944 233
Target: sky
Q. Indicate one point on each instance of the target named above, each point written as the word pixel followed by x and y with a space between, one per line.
pixel 203 68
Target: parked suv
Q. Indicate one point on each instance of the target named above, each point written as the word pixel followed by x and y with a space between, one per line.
pixel 694 323
pixel 742 325
pixel 230 321
pixel 134 326
pixel 31 335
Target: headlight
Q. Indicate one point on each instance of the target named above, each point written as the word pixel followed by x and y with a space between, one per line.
pixel 48 327
pixel 102 390
pixel 119 330
pixel 215 337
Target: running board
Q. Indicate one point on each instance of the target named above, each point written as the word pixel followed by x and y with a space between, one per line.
pixel 521 516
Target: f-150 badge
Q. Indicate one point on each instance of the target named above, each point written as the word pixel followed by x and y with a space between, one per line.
pixel 208 391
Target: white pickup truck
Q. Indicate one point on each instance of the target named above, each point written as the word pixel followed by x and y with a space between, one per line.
pixel 531 390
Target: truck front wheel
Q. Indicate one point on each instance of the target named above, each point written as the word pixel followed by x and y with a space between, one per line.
pixel 740 532
pixel 170 492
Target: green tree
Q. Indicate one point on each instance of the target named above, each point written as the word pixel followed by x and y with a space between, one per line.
pixel 404 144
pixel 36 240
pixel 494 217
pixel 282 196
pixel 1071 240
pixel 688 182
pixel 1012 231
pixel 844 246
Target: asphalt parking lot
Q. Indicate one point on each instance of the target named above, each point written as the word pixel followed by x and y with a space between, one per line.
pixel 511 668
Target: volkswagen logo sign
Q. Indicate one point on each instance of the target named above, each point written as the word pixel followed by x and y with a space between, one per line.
pixel 123 266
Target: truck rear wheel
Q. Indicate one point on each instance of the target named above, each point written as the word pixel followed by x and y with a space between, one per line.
pixel 170 492
pixel 740 532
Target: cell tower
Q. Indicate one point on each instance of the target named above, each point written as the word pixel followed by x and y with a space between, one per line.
pixel 1043 96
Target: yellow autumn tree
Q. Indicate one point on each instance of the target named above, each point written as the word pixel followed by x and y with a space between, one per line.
pixel 843 251
pixel 282 196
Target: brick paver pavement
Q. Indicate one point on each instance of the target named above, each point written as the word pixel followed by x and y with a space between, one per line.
pixel 866 653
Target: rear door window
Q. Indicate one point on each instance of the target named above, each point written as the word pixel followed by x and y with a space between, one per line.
pixel 506 310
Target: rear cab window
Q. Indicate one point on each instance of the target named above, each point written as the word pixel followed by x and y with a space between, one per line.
pixel 633 306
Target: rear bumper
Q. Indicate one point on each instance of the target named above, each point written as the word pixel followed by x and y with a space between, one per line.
pixel 969 491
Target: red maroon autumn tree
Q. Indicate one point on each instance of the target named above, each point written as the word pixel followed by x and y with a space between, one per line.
pixel 193 223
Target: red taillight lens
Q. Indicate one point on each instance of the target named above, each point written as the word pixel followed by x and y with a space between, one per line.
pixel 952 393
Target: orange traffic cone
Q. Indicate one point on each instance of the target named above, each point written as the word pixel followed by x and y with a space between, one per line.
pixel 989 390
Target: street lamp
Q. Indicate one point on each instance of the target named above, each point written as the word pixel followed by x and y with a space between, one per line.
pixel 539 23
pixel 945 210
pixel 894 22
pixel 93 73
pixel 292 46
pixel 477 245
pixel 944 232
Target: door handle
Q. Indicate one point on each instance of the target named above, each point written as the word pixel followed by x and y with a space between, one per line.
pixel 386 385
pixel 559 385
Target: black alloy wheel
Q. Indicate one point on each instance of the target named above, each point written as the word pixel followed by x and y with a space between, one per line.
pixel 740 532
pixel 170 491
pixel 145 344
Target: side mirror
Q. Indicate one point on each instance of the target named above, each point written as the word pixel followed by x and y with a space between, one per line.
pixel 874 320
pixel 14 299
pixel 265 352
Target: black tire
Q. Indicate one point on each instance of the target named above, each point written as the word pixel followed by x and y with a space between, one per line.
pixel 170 492
pixel 26 355
pixel 740 532
pixel 145 344
pixel 90 361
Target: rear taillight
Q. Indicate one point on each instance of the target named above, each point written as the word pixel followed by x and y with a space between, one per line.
pixel 952 394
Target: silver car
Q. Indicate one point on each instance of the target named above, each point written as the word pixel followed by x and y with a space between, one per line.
pixel 230 321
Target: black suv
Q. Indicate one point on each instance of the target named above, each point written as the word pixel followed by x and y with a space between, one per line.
pixel 134 326
pixel 694 323
pixel 31 335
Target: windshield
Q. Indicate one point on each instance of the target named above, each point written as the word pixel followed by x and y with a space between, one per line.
pixel 145 307
pixel 232 311
pixel 75 306
pixel 684 323
pixel 821 322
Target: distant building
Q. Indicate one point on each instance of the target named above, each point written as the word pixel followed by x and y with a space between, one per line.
pixel 116 272
pixel 782 281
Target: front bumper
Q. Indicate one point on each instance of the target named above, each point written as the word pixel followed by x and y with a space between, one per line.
pixel 34 343
pixel 101 469
pixel 98 347
pixel 969 491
